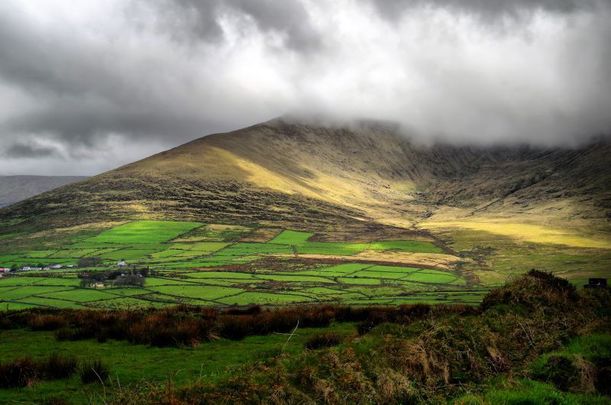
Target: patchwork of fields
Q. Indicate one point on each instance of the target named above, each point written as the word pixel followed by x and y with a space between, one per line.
pixel 219 265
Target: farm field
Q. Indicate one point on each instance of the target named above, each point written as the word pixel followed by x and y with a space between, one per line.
pixel 220 265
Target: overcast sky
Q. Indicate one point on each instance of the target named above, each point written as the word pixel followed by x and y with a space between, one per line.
pixel 88 85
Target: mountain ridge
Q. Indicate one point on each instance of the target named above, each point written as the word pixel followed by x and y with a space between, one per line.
pixel 292 173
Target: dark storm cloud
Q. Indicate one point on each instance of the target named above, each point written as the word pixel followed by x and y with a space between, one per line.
pixel 28 150
pixel 199 20
pixel 489 10
pixel 84 91
pixel 104 83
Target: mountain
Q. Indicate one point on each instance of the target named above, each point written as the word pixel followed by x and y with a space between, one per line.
pixel 290 173
pixel 16 188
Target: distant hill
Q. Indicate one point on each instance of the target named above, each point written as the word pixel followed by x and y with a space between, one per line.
pixel 288 173
pixel 16 188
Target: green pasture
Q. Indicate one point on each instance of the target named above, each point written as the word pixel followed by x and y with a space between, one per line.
pixel 144 232
pixel 342 283
pixel 289 237
pixel 179 245
pixel 208 265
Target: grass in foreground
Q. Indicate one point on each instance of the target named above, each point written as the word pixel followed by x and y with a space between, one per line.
pixel 417 355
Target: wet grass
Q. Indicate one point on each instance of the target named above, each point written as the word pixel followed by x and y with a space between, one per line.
pixel 131 364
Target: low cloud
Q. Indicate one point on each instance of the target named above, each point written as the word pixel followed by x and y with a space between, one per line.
pixel 24 150
pixel 98 84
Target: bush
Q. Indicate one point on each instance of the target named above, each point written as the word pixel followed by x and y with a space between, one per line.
pixel 23 372
pixel 18 373
pixel 74 334
pixel 250 310
pixel 89 261
pixel 327 339
pixel 46 322
pixel 236 327
pixel 94 372
pixel 58 366
pixel 534 290
pixel 567 373
pixel 135 280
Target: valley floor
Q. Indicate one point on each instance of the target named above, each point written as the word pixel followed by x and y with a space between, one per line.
pixel 224 265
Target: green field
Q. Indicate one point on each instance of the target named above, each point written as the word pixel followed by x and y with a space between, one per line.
pixel 209 265
pixel 130 364
pixel 143 232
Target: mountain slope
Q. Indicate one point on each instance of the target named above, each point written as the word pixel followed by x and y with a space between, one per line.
pixel 302 175
pixel 17 188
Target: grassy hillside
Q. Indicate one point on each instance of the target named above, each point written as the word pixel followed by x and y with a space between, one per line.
pixel 286 173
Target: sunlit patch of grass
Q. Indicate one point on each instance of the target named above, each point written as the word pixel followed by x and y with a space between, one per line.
pixel 79 295
pixel 416 246
pixel 144 232
pixel 24 292
pixel 526 232
pixel 431 276
pixel 246 298
pixel 197 291
pixel 289 237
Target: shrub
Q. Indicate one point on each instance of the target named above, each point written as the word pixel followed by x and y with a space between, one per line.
pixel 327 339
pixel 567 373
pixel 169 328
pixel 130 280
pixel 18 373
pixel 58 366
pixel 94 372
pixel 74 334
pixel 534 290
pixel 236 327
pixel 89 261
pixel 250 310
pixel 46 322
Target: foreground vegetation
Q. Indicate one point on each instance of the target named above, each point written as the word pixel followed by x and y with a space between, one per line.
pixel 535 340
